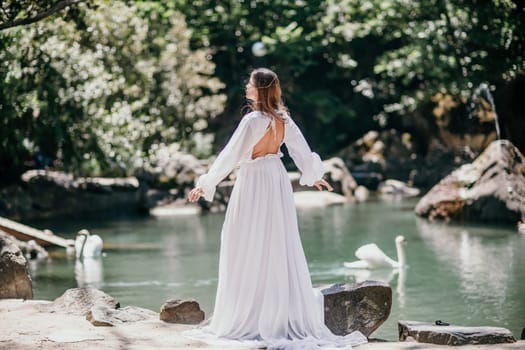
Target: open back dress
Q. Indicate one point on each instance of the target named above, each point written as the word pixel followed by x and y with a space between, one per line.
pixel 264 294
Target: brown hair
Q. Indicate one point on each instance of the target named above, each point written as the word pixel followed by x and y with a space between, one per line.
pixel 269 92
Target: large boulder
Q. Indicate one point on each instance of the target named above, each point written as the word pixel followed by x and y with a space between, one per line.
pixel 181 311
pixel 97 307
pixel 492 188
pixel 15 281
pixel 337 174
pixel 378 155
pixel 452 335
pixel 79 301
pixel 364 306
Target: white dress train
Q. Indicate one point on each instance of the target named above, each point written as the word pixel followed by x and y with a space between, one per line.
pixel 264 294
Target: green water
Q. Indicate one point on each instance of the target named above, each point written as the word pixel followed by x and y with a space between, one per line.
pixel 463 274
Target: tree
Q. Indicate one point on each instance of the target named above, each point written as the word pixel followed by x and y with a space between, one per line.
pixel 314 88
pixel 352 65
pixel 99 92
pixel 23 12
pixel 425 47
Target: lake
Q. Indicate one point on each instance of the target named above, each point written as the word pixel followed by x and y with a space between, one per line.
pixel 460 273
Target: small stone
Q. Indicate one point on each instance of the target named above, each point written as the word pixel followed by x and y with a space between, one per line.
pixel 453 335
pixel 98 316
pixel 103 316
pixel 185 311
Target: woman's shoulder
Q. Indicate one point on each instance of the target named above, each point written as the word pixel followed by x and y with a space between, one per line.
pixel 256 117
pixel 261 118
pixel 253 115
pixel 254 120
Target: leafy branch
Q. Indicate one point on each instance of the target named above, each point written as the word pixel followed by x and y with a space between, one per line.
pixel 39 16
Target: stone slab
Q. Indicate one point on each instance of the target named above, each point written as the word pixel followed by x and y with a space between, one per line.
pixel 424 332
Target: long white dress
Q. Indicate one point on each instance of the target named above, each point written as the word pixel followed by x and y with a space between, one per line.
pixel 264 293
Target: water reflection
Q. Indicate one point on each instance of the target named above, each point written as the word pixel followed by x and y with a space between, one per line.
pixel 383 275
pixel 89 272
pixel 483 263
pixel 451 276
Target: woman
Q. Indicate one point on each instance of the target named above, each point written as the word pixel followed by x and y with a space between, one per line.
pixel 264 291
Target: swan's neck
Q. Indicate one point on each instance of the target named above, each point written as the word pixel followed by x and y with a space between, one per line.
pixel 83 245
pixel 401 257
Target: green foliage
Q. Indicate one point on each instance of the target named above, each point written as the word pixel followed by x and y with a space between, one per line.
pixel 101 92
pixel 23 12
pixel 104 85
pixel 348 65
pixel 315 89
pixel 447 46
pixel 11 10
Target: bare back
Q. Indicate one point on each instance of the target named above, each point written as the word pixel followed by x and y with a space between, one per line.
pixel 268 144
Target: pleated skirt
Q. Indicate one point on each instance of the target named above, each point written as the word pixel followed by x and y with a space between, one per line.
pixel 264 290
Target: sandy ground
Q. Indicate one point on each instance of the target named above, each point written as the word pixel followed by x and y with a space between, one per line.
pixel 23 326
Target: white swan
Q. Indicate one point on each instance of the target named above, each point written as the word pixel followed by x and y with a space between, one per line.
pixel 371 256
pixel 87 245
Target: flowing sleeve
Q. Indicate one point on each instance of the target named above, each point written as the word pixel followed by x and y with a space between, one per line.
pixel 308 162
pixel 239 143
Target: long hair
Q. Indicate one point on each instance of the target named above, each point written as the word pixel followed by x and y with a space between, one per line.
pixel 269 92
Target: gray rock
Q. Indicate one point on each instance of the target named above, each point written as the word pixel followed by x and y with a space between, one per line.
pixel 337 174
pixel 492 188
pixel 452 335
pixel 47 194
pixel 102 315
pixel 363 307
pixel 385 154
pixel 15 281
pixel 79 301
pixel 30 249
pixel 181 311
pixel 391 187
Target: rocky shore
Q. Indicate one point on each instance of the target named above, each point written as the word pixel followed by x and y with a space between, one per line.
pixel 26 325
pixel 86 318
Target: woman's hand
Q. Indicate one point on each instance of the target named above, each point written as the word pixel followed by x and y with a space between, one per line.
pixel 195 194
pixel 319 184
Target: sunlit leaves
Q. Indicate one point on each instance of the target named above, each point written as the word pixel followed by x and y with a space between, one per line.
pixel 96 93
pixel 431 45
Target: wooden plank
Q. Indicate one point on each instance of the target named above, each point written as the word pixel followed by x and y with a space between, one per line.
pixel 26 233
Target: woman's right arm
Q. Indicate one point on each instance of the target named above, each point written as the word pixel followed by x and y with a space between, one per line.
pixel 239 143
